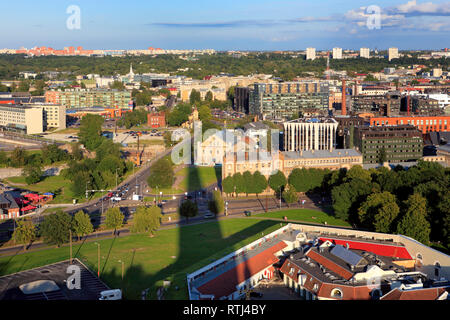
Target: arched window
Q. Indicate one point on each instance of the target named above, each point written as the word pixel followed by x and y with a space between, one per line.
pixel 336 293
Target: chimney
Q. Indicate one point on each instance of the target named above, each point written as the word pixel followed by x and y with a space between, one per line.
pixel 388 107
pixel 344 99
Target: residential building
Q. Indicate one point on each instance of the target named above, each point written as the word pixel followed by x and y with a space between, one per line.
pixel 9 208
pixel 241 99
pixel 157 120
pixel 364 53
pixel 310 53
pixel 393 54
pixel 337 53
pixel 28 119
pixel 401 143
pixel 288 100
pixel 310 134
pixel 87 98
pixel 445 152
pixel 420 105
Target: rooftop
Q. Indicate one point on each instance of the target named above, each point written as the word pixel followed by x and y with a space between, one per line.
pixel 315 154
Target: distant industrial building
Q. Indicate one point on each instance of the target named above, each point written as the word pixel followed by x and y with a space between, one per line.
pixel 423 123
pixel 401 143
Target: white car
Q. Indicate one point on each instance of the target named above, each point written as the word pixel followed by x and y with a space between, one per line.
pixel 111 295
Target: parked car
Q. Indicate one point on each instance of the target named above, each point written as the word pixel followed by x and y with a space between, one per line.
pixel 209 216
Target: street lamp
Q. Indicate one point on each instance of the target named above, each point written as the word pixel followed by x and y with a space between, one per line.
pixel 98 252
pixel 160 197
pixel 120 261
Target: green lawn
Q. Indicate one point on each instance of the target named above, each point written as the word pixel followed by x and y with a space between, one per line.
pixel 197 178
pixel 304 215
pixel 148 261
pixel 194 178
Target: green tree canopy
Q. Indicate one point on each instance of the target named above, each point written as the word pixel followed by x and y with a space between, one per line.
pixel 146 220
pixel 161 174
pixel 188 209
pixel 277 181
pixel 82 224
pixel 379 211
pixel 91 131
pixel 414 222
pixel 114 219
pixel 55 229
pixel 25 232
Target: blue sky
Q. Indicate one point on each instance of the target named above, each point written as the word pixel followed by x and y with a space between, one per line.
pixel 227 24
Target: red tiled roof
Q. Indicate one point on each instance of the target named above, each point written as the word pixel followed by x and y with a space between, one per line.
pixel 387 250
pixel 327 263
pixel 419 294
pixel 225 284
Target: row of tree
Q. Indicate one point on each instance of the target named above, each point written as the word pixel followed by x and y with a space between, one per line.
pixel 56 228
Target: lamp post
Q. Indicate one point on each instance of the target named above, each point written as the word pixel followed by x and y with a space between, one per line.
pixel 120 261
pixel 98 253
pixel 160 197
pixel 280 197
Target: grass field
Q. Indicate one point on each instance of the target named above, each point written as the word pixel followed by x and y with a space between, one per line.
pixel 197 178
pixel 193 178
pixel 304 215
pixel 170 255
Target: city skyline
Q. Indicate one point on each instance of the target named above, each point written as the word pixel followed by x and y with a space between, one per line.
pixel 253 25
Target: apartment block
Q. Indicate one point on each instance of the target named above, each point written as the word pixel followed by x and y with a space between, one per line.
pixel 337 53
pixel 423 123
pixel 87 98
pixel 310 53
pixel 401 143
pixel 364 53
pixel 393 54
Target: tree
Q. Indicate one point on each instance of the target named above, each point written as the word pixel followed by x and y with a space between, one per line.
pixel 161 174
pixel 277 181
pixel 290 195
pixel 188 209
pixel 239 183
pixel 259 182
pixel 18 157
pixel 33 173
pixel 55 229
pixel 414 223
pixel 204 113
pixel 91 131
pixel 118 85
pixel 146 220
pixel 379 212
pixel 228 185
pixel 77 153
pixel 357 172
pixel 195 97
pixel 382 156
pixel 248 182
pixel 216 205
pixel 114 219
pixel 209 96
pixel 25 232
pixel 82 224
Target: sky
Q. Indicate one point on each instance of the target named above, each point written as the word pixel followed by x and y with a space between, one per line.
pixel 227 24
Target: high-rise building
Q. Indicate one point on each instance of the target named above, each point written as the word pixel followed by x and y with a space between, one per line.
pixel 393 53
pixel 337 53
pixel 282 101
pixel 310 53
pixel 364 53
pixel 310 134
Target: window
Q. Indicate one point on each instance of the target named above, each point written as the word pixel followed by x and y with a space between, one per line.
pixel 336 293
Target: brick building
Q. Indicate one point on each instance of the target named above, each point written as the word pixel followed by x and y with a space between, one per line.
pixel 156 120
